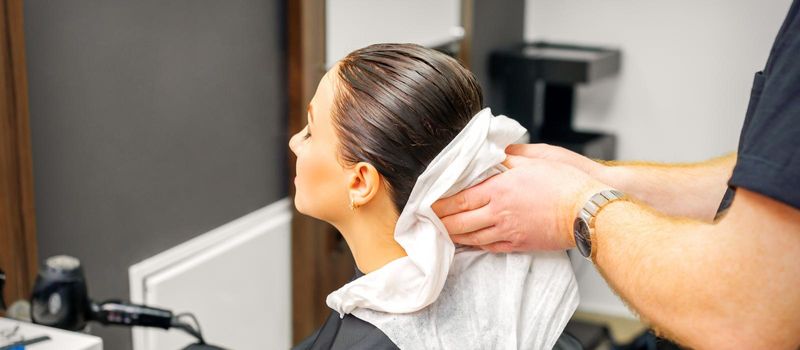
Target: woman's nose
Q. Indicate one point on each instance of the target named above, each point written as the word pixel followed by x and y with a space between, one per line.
pixel 293 142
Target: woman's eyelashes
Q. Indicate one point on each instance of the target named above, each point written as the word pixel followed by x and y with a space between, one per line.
pixel 308 134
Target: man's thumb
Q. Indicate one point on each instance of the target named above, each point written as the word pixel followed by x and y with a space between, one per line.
pixel 515 161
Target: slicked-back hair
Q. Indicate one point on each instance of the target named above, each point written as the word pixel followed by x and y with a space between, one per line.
pixel 396 106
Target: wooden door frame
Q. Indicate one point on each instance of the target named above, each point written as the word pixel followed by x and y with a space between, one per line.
pixel 321 261
pixel 18 248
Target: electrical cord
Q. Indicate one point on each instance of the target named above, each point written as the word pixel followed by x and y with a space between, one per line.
pixel 194 330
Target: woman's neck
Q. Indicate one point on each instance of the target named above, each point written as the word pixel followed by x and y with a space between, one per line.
pixel 370 234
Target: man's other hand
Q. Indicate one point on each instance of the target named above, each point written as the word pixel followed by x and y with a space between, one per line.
pixel 558 154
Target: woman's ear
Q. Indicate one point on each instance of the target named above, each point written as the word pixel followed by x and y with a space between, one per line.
pixel 364 184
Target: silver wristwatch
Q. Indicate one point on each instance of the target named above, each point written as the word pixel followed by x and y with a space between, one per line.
pixel 583 228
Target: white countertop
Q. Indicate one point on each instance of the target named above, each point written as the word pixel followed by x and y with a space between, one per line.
pixel 59 338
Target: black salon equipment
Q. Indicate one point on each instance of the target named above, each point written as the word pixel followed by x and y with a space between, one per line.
pixel 2 287
pixel 60 299
pixel 535 84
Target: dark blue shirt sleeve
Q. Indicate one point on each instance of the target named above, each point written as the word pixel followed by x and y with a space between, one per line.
pixel 769 147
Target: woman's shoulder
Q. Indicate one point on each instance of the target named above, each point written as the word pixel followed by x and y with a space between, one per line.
pixel 349 332
pixel 360 334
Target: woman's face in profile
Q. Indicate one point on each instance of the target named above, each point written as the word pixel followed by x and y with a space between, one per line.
pixel 320 181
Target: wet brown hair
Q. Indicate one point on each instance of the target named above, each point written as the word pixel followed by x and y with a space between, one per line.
pixel 396 106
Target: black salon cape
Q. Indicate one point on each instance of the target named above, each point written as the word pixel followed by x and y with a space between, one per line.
pixel 349 332
pixel 768 161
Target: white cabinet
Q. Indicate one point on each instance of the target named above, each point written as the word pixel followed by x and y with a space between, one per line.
pixel 59 338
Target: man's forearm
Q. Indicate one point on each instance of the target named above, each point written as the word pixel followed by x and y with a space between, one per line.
pixel 686 190
pixel 726 285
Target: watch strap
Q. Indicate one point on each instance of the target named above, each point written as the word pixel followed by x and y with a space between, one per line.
pixel 589 211
pixel 598 201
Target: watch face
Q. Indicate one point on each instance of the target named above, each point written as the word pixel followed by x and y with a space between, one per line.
pixel 582 239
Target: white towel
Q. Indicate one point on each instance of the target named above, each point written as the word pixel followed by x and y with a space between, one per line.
pixel 507 301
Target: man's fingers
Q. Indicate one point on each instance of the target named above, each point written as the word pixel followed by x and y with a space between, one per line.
pixel 468 221
pixel 536 150
pixel 481 237
pixel 516 149
pixel 472 198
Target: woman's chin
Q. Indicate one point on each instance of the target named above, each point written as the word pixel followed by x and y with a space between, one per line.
pixel 302 209
pixel 298 204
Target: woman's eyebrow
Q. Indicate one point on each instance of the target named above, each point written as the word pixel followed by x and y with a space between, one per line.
pixel 310 113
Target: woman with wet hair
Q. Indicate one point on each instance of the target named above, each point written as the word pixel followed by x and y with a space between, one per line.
pixel 378 117
pixel 377 120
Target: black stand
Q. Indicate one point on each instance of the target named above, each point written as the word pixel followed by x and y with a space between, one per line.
pixel 537 87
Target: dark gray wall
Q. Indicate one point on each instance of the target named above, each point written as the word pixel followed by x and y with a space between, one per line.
pixel 497 24
pixel 152 122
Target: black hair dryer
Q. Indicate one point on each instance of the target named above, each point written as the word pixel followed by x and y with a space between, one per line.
pixel 60 299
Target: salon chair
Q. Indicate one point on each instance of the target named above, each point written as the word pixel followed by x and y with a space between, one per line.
pixel 567 342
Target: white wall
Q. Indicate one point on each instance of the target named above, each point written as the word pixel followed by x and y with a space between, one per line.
pixel 353 24
pixel 686 72
pixel 684 85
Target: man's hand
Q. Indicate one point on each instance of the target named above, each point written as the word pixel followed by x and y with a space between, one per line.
pixel 529 207
pixel 561 155
pixel 532 206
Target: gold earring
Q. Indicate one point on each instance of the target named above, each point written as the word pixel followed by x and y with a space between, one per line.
pixel 352 204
